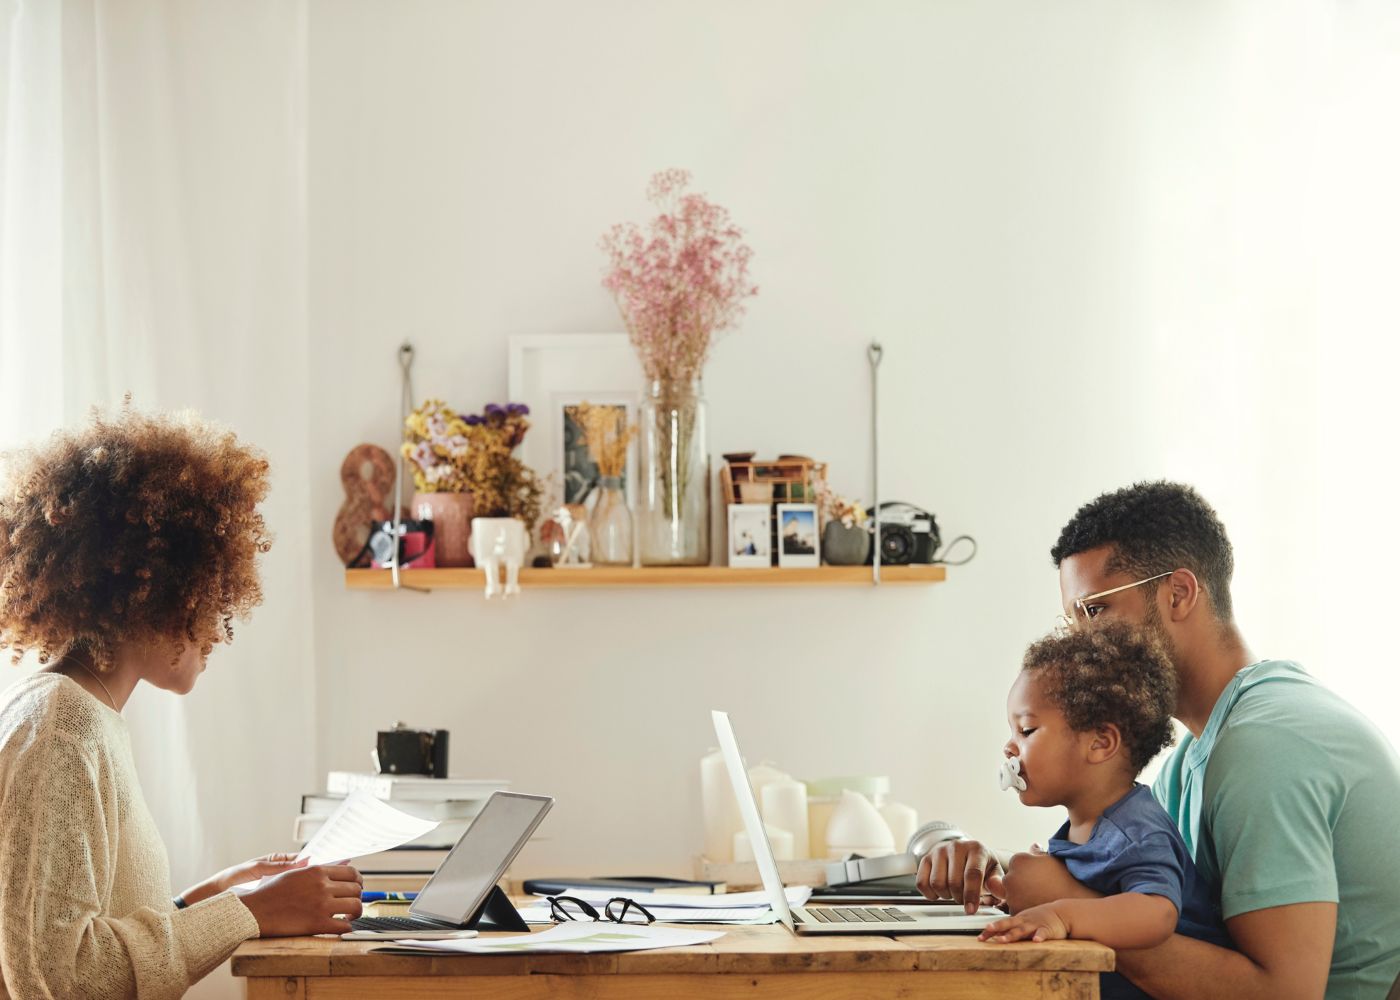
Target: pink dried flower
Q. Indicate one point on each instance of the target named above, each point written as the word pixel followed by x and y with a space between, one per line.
pixel 681 283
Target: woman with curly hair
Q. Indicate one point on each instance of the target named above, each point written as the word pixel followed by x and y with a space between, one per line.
pixel 126 550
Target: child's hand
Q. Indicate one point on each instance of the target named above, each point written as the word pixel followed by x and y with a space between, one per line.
pixel 1039 923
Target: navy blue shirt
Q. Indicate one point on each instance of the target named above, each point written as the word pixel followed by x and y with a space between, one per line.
pixel 1136 847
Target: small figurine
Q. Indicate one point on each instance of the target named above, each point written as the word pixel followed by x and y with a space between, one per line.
pixel 497 542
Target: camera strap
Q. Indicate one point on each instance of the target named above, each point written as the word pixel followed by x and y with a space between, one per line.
pixel 942 557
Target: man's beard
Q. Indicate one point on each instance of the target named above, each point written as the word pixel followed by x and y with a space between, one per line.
pixel 1152 622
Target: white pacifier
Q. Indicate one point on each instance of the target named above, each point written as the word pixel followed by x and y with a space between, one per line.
pixel 1010 774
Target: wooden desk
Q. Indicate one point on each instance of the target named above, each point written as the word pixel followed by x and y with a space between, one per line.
pixel 754 963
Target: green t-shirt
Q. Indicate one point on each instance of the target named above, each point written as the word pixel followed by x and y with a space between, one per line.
pixel 1290 795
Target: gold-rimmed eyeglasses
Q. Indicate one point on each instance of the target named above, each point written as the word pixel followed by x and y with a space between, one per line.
pixel 1081 605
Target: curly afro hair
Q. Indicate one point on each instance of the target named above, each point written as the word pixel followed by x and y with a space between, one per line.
pixel 1155 528
pixel 137 528
pixel 1116 673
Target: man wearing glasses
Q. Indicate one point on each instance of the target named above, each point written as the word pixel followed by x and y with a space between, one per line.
pixel 1287 796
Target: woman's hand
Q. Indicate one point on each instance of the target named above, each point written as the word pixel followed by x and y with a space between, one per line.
pixel 248 871
pixel 306 901
pixel 1039 923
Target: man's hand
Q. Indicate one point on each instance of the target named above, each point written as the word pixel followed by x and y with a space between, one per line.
pixel 1039 923
pixel 965 871
pixel 249 871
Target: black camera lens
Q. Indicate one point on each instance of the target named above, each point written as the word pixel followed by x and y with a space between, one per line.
pixel 896 544
pixel 381 545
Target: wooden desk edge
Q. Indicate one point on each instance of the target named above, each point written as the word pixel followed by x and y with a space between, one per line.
pixel 744 951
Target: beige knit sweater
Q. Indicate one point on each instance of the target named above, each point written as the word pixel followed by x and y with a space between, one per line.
pixel 85 896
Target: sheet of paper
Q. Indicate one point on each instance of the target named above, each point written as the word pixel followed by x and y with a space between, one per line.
pixel 797 895
pixel 570 937
pixel 362 825
pixel 539 913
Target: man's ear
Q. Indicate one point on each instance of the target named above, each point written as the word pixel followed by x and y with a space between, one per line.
pixel 1184 592
pixel 1105 744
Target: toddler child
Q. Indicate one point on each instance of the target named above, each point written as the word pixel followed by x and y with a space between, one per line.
pixel 1088 711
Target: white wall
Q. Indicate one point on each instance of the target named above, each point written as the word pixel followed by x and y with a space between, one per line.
pixel 1083 232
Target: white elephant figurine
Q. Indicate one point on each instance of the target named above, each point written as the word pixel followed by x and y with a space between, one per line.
pixel 497 542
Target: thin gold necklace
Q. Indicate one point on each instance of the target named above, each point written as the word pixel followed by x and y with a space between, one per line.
pixel 110 699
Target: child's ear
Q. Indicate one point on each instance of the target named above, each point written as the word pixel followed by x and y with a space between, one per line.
pixel 1106 743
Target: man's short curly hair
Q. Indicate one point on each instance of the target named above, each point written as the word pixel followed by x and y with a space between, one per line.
pixel 136 528
pixel 1115 673
pixel 1155 528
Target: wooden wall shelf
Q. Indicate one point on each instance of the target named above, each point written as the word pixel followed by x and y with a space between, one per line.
pixel 651 576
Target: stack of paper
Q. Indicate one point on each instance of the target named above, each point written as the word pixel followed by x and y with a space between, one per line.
pixel 673 908
pixel 576 937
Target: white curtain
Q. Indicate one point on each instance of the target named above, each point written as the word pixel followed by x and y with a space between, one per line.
pixel 152 240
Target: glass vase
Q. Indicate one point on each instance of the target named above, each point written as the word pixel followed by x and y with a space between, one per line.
pixel 673 510
pixel 611 525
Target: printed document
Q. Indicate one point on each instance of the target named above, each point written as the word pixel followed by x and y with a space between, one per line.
pixel 540 913
pixel 362 825
pixel 797 895
pixel 571 937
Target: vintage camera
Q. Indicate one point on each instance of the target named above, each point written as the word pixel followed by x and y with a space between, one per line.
pixel 411 751
pixel 416 549
pixel 908 534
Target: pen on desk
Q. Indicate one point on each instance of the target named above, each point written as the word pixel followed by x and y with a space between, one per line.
pixel 379 897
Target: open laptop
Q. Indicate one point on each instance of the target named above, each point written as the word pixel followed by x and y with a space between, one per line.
pixel 467 877
pixel 831 919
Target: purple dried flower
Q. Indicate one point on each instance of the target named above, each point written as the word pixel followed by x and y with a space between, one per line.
pixel 517 409
pixel 471 420
pixel 492 409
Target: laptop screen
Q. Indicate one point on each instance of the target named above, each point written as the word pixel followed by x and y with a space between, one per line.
pixel 481 857
pixel 748 809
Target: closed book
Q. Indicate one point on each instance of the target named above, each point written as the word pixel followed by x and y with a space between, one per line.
pixel 388 908
pixel 623 884
pixel 395 787
pixel 447 809
pixel 410 882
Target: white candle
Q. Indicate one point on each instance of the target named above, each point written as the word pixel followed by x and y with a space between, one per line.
pixel 785 807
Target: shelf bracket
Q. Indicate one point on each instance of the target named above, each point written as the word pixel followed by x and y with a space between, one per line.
pixel 875 354
pixel 405 405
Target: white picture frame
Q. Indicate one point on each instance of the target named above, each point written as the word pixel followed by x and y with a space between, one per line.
pixel 799 537
pixel 749 539
pixel 550 371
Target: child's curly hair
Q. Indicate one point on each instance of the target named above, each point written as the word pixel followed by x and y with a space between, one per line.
pixel 135 528
pixel 1114 673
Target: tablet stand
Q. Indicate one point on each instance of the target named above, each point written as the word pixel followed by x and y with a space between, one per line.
pixel 497 914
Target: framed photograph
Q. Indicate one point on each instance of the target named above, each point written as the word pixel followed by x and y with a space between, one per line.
pixel 799 542
pixel 552 373
pixel 578 473
pixel 750 531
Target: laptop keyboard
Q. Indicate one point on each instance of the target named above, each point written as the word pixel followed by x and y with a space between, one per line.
pixel 858 915
pixel 393 924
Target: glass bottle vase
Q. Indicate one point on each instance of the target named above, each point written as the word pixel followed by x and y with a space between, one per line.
pixel 673 510
pixel 611 525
